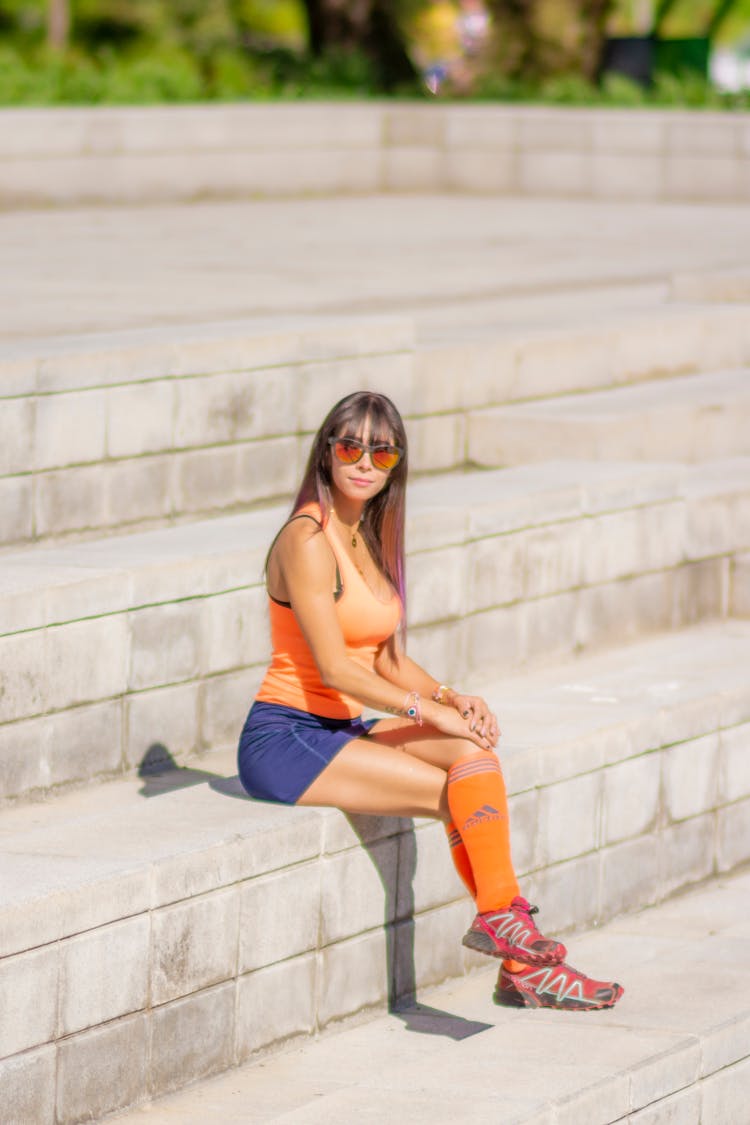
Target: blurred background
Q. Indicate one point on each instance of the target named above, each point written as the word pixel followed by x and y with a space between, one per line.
pixel 624 52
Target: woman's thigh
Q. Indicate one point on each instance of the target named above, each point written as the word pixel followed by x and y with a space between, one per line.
pixel 367 776
pixel 398 770
pixel 426 743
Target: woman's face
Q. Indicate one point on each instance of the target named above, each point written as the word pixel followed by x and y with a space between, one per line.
pixel 362 480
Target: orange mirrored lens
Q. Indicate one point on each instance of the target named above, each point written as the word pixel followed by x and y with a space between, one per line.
pixel 348 452
pixel 385 459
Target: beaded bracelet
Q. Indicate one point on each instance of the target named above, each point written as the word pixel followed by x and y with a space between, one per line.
pixel 414 710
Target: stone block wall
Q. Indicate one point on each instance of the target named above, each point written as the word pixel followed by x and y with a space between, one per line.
pixel 71 155
pixel 147 428
pixel 143 428
pixel 545 562
pixel 740 604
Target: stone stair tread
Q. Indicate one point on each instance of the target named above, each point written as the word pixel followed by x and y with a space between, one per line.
pixel 585 309
pixel 507 568
pixel 81 360
pixel 678 393
pixel 106 852
pixel 135 265
pixel 140 428
pixel 683 418
pixel 96 359
pixel 44 584
pixel 720 285
pixel 726 474
pixel 678 1041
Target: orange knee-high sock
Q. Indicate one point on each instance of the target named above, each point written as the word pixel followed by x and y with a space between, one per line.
pixel 479 810
pixel 462 864
pixel 460 858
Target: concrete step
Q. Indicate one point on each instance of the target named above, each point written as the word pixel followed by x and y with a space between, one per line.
pixel 156 931
pixel 675 1050
pixel 128 267
pixel 144 427
pixel 691 418
pixel 137 154
pixel 507 569
pixel 539 345
pixel 740 605
pixel 118 431
pixel 723 285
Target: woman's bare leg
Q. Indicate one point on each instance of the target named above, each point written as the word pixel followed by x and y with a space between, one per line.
pixel 426 743
pixel 403 771
pixel 399 770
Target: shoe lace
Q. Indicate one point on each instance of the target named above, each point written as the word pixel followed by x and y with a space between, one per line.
pixel 573 972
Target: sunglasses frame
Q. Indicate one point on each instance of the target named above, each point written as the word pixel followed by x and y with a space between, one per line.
pixel 365 448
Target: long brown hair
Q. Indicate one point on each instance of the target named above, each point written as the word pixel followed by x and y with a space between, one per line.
pixel 382 523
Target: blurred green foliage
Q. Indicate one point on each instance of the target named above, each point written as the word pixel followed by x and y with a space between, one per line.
pixel 685 18
pixel 142 51
pixel 172 74
pixel 615 91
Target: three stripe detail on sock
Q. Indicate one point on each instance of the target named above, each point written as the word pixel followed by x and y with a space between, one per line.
pixel 471 767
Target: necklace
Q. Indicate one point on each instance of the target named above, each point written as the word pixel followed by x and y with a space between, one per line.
pixel 353 532
pixel 355 560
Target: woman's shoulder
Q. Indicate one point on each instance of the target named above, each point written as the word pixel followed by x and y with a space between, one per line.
pixel 302 529
pixel 309 511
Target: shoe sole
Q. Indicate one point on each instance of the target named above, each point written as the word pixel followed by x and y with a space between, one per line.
pixel 483 943
pixel 519 999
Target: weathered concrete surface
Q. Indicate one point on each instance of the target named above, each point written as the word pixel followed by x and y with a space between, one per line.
pixel 136 153
pixel 97 269
pixel 235 925
pixel 139 428
pixel 547 560
pixel 695 418
pixel 675 1049
pixel 476 271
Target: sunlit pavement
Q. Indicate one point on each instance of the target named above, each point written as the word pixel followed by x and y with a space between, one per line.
pixel 448 260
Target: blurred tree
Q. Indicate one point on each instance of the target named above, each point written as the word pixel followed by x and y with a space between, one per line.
pixel 373 26
pixel 519 46
pixel 594 17
pixel 534 41
pixel 58 24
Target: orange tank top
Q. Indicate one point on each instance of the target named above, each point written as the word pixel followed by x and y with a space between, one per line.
pixel 292 678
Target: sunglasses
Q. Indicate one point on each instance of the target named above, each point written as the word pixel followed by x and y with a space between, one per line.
pixel 349 451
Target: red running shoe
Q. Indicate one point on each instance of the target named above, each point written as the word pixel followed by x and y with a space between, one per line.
pixel 555 986
pixel 511 932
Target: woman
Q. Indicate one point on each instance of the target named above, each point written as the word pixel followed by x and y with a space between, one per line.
pixel 335 579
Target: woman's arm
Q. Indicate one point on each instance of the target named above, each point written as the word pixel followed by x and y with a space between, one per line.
pixel 394 665
pixel 308 568
pixel 400 669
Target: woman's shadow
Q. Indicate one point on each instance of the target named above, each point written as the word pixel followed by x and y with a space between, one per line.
pixel 399 905
pixel 160 773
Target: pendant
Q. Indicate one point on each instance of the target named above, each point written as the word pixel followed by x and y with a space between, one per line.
pixel 354 539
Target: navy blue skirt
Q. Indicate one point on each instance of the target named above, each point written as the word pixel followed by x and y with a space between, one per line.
pixel 283 750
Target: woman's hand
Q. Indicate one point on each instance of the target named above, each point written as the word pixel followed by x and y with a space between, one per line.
pixel 476 712
pixel 449 720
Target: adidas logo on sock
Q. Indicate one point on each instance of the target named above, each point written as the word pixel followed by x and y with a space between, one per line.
pixel 482 816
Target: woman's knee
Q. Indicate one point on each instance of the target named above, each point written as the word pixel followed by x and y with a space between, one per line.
pixel 465 748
